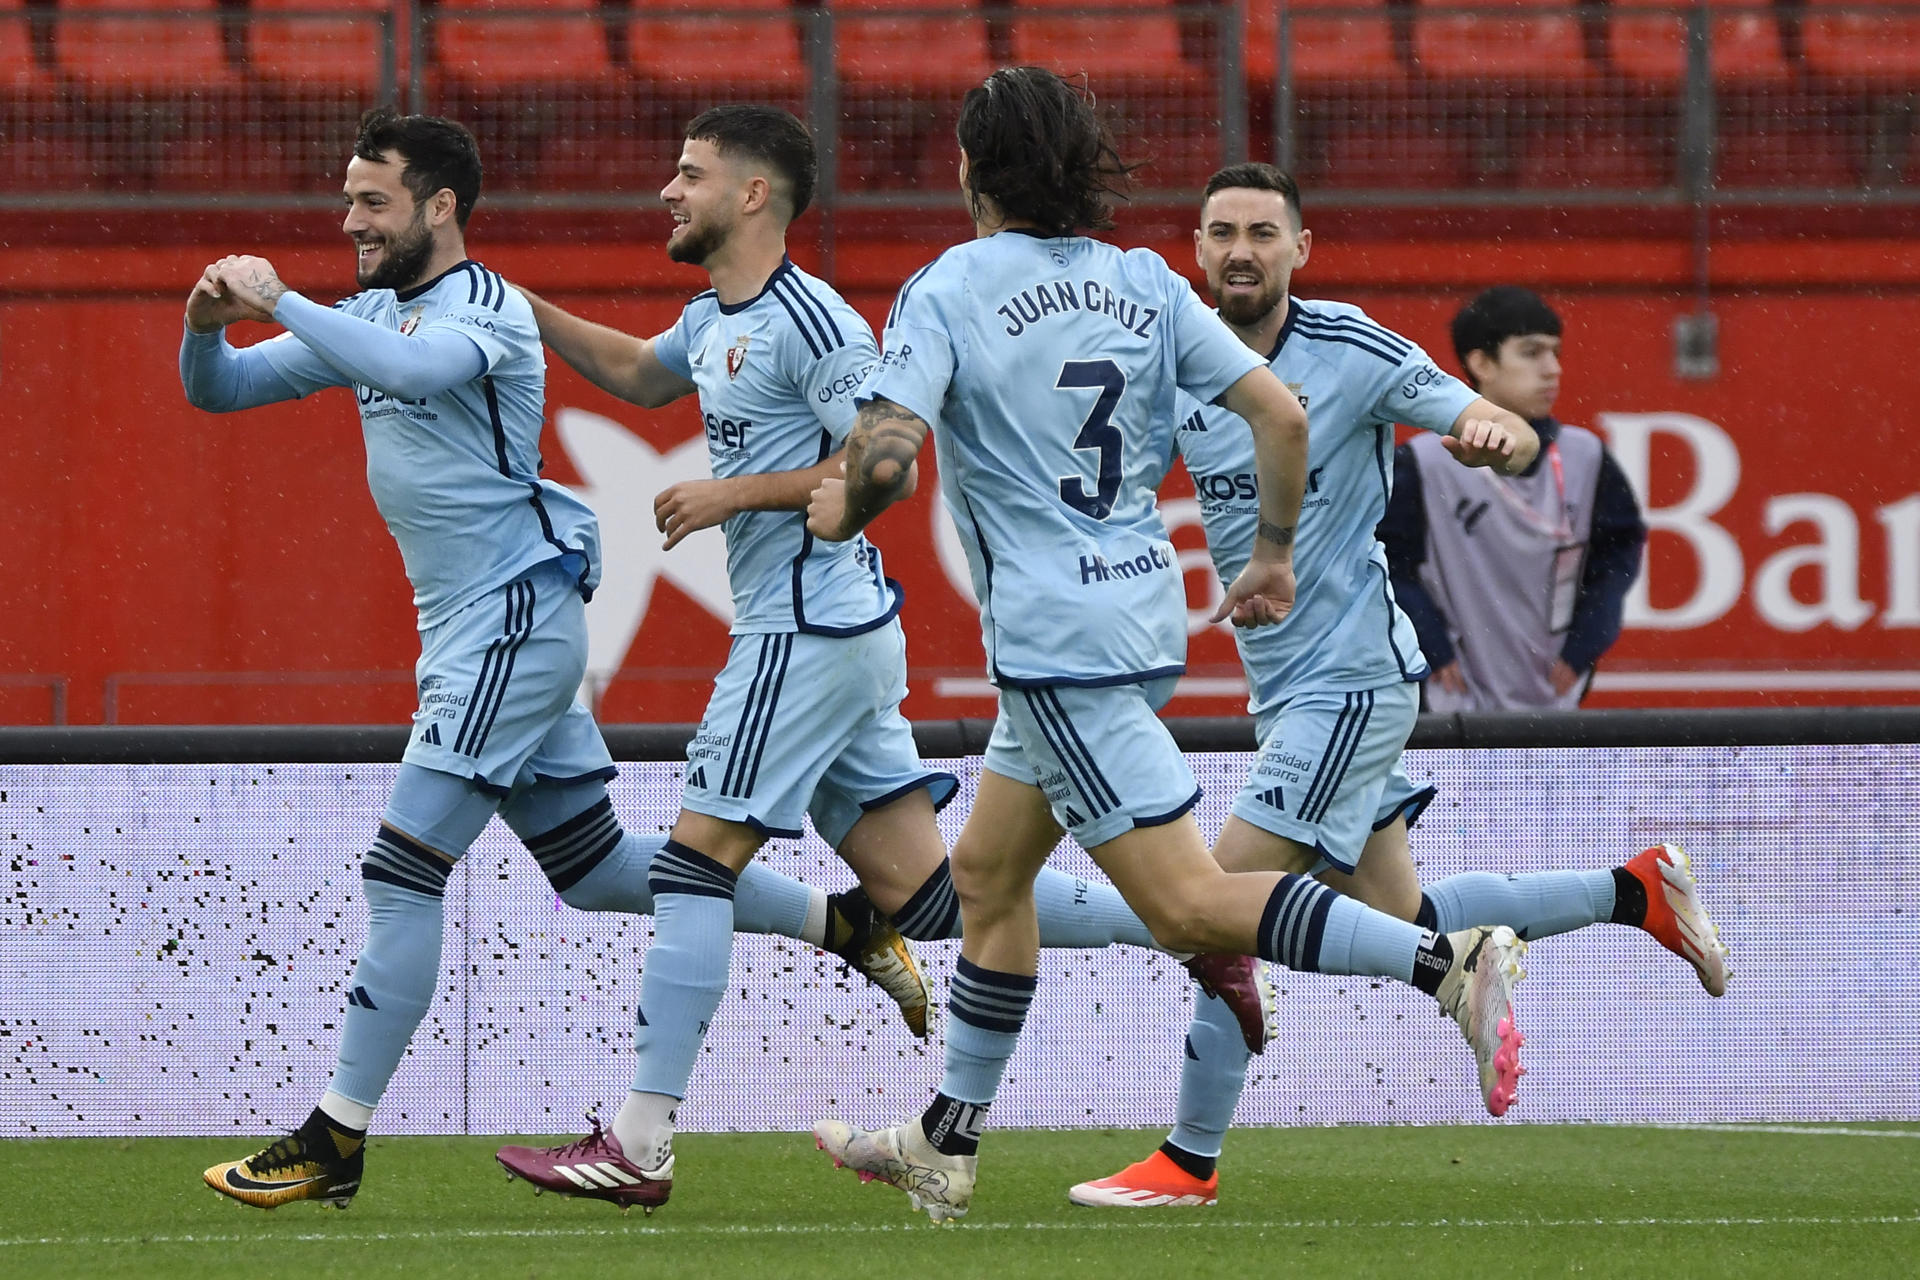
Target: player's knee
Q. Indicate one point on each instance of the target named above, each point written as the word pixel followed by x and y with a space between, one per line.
pixel 1182 919
pixel 986 889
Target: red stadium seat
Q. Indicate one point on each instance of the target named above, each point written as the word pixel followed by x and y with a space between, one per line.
pixel 1875 51
pixel 476 45
pixel 1650 47
pixel 180 46
pixel 875 42
pixel 339 52
pixel 1532 42
pixel 1337 48
pixel 1143 45
pixel 752 50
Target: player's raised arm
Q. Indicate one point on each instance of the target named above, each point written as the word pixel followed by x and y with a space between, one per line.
pixel 1263 593
pixel 217 377
pixel 617 363
pixel 1485 435
pixel 410 367
pixel 879 471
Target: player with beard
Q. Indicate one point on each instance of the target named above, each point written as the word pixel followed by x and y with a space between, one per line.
pixel 446 364
pixel 805 716
pixel 1046 366
pixel 1333 687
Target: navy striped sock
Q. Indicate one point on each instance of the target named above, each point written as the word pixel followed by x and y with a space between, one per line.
pixel 404 862
pixel 986 1009
pixel 933 912
pixel 685 971
pixel 1294 922
pixel 576 846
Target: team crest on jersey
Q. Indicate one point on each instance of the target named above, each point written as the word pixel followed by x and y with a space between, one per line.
pixel 412 321
pixel 737 355
pixel 1297 393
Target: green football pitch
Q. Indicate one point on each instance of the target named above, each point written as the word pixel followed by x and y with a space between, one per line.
pixel 1836 1201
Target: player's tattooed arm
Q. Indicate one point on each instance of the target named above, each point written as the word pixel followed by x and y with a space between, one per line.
pixel 881 450
pixel 252 282
pixel 1278 535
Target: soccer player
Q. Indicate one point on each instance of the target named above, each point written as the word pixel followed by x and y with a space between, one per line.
pixel 445 361
pixel 1046 363
pixel 804 718
pixel 1333 686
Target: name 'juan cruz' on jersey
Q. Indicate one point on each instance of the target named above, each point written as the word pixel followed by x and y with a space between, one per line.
pixel 1056 297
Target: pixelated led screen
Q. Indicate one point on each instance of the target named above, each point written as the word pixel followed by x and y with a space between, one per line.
pixel 175 942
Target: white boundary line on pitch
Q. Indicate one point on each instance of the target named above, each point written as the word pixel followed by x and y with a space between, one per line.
pixel 1094 1222
pixel 1837 1131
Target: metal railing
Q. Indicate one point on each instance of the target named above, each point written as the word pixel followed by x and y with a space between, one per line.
pixel 1607 730
pixel 246 104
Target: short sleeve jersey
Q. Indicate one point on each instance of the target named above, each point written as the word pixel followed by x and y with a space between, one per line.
pixel 776 376
pixel 1355 379
pixel 456 475
pixel 1047 368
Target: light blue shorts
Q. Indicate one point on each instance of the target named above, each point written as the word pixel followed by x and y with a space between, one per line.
pixel 803 724
pixel 1328 771
pixel 1105 761
pixel 499 684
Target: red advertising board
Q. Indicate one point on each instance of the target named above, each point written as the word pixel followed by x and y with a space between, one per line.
pixel 164 565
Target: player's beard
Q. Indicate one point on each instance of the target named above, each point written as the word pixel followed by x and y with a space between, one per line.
pixel 1249 309
pixel 402 258
pixel 698 243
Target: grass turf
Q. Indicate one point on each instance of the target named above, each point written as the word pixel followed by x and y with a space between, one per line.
pixel 1510 1200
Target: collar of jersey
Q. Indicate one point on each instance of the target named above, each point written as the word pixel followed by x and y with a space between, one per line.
pixel 730 309
pixel 1286 328
pixel 408 295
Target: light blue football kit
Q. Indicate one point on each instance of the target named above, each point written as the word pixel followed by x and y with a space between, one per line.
pixel 450 381
pixel 1330 684
pixel 797 720
pixel 1047 369
pixel 805 716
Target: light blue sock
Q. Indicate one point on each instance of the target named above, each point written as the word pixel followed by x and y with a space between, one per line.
pixel 394 979
pixel 1538 904
pixel 1212 1075
pixel 1308 927
pixel 685 971
pixel 985 1012
pixel 764 901
pixel 1076 913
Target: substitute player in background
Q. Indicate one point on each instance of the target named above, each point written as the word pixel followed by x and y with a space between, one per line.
pixel 805 716
pixel 445 361
pixel 1048 363
pixel 1333 686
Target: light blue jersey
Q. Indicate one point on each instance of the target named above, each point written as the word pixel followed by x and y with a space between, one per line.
pixel 1355 380
pixel 456 473
pixel 776 375
pixel 1047 368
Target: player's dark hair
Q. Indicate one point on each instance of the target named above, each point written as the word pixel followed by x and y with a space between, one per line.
pixel 434 152
pixel 1502 312
pixel 1036 147
pixel 1258 177
pixel 769 135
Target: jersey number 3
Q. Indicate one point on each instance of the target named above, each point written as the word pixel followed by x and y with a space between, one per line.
pixel 1097 432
